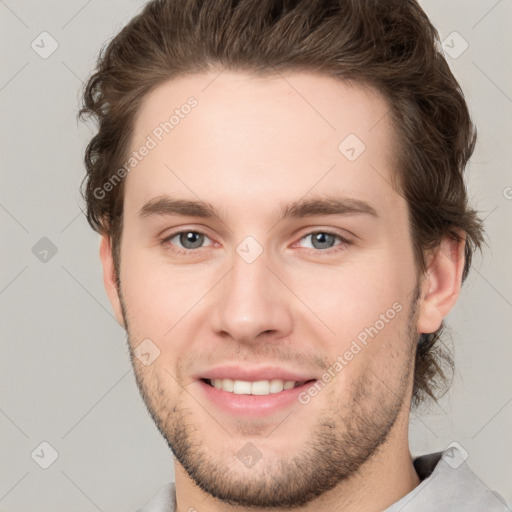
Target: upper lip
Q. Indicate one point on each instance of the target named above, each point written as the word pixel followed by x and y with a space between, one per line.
pixel 254 374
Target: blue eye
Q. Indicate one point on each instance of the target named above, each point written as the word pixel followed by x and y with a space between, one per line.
pixel 189 239
pixel 322 241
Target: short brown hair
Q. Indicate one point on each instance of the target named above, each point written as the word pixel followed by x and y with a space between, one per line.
pixel 388 44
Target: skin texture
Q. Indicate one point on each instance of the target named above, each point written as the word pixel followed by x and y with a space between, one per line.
pixel 250 146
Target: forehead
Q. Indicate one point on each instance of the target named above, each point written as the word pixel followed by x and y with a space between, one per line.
pixel 237 138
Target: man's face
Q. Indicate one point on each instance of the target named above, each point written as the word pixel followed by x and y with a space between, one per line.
pixel 260 298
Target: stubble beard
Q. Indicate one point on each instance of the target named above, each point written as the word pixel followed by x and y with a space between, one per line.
pixel 341 441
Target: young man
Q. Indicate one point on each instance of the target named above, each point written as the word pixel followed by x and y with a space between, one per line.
pixel 284 222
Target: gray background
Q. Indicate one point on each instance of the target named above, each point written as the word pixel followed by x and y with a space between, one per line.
pixel 65 373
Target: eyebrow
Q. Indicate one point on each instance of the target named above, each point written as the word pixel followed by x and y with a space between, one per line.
pixel 316 206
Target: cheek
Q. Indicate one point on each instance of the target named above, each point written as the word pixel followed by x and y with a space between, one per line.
pixel 347 296
pixel 157 294
pixel 366 305
pixel 352 296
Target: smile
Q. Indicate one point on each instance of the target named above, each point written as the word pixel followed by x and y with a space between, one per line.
pixel 260 387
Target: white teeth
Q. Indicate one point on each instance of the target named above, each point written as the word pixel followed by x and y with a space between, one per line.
pixel 241 387
pixel 260 387
pixel 276 385
pixel 225 384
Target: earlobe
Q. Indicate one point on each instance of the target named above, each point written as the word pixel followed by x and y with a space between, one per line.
pixel 109 277
pixel 441 284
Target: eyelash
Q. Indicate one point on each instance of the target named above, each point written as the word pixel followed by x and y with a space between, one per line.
pixel 189 252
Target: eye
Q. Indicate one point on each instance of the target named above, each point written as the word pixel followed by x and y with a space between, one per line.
pixel 324 240
pixel 189 239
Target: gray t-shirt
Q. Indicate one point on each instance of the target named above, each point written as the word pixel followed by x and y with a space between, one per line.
pixel 447 484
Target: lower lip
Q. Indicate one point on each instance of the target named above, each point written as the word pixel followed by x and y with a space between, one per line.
pixel 252 405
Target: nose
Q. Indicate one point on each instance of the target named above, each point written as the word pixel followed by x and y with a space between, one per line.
pixel 252 303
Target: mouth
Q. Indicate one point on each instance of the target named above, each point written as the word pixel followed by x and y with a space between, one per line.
pixel 259 388
pixel 253 392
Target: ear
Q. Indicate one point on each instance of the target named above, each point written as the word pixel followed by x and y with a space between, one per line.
pixel 109 280
pixel 440 287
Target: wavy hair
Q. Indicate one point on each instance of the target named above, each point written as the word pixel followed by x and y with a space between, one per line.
pixel 387 44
